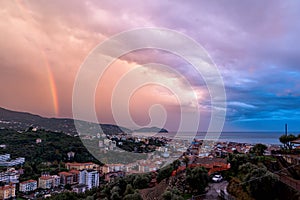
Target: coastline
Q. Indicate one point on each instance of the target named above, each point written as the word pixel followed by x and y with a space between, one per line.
pixel 268 138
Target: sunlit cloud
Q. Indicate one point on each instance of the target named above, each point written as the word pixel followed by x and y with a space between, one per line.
pixel 254 44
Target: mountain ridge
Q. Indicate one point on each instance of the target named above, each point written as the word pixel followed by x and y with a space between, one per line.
pixel 21 121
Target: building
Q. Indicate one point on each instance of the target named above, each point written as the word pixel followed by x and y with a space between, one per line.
pixel 82 166
pixel 75 175
pixel 38 140
pixel 66 178
pixel 80 188
pixel 55 181
pixel 45 182
pixel 28 186
pixel 4 157
pixel 6 161
pixel 90 178
pixel 10 176
pixel 104 169
pixel 115 167
pixel 8 192
pixel 111 176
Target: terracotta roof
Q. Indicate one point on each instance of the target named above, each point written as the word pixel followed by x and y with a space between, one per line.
pixel 28 181
pixel 45 177
pixel 7 187
pixel 74 171
pixel 65 173
pixel 78 164
pixel 209 160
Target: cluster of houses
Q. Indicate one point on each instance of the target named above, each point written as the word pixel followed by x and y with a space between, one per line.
pixel 8 181
pixel 80 177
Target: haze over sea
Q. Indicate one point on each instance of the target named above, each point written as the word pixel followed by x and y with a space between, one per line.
pixel 240 137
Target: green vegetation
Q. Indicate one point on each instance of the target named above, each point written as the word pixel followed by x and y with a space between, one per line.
pixel 172 194
pixel 164 173
pixel 256 181
pixel 53 148
pixel 286 140
pixel 197 179
pixel 49 155
pixel 88 195
pixel 186 161
pixel 259 149
pixel 125 188
pixel 139 147
pixel 250 175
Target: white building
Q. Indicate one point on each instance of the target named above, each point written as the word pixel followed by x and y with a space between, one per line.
pixel 38 140
pixel 56 181
pixel 9 177
pixel 4 157
pixel 90 178
pixel 46 181
pixel 28 186
pixel 6 161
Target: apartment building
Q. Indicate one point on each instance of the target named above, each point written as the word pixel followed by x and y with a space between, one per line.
pixel 28 186
pixel 8 192
pixel 90 178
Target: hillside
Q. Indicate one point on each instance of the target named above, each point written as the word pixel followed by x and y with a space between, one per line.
pixel 21 121
pixel 53 147
pixel 152 130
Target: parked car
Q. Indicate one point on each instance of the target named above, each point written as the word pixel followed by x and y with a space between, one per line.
pixel 217 178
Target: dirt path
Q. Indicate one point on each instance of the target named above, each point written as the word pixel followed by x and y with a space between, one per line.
pixel 155 192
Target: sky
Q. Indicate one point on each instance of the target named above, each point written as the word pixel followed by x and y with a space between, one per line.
pixel 254 44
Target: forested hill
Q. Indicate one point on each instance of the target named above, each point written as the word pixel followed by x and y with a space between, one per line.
pixel 21 121
pixel 53 146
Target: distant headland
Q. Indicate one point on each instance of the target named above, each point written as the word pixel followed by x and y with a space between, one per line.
pixel 152 129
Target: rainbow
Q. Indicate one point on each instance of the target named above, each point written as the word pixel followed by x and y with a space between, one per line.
pixel 53 89
pixel 52 84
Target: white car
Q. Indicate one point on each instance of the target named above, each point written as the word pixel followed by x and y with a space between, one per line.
pixel 217 178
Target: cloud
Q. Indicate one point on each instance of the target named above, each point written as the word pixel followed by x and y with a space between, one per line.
pixel 254 44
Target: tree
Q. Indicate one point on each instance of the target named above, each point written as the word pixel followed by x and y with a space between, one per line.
pixel 262 184
pixel 237 160
pixel 164 172
pixel 28 169
pixel 259 149
pixel 186 161
pixel 172 194
pixel 115 196
pixel 286 140
pixel 197 179
pixel 135 196
pixel 141 181
pixel 176 164
pixel 247 168
pixel 129 189
pixel 122 185
pixel 65 196
pixel 68 187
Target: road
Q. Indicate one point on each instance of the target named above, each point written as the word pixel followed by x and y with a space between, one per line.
pixel 214 188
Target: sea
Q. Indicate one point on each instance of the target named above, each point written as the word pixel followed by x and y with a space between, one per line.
pixel 239 137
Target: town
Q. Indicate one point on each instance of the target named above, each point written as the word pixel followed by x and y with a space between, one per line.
pixel 79 177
